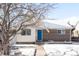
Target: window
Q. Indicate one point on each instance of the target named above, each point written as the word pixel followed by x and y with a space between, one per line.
pixel 26 32
pixel 61 32
pixel 23 32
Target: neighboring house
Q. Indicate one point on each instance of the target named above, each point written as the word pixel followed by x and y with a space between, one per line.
pixel 44 31
pixel 76 31
pixel 75 36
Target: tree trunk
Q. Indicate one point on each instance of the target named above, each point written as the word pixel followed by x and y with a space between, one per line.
pixel 4 49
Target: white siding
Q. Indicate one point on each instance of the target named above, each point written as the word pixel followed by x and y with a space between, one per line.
pixel 76 33
pixel 27 38
pixel 13 41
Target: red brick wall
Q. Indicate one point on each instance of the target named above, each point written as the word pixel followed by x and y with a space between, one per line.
pixel 53 35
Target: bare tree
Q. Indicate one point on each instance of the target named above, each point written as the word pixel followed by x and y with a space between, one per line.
pixel 73 27
pixel 13 17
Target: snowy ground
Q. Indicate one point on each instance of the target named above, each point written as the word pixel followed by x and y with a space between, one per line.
pixel 50 50
pixel 61 49
pixel 23 50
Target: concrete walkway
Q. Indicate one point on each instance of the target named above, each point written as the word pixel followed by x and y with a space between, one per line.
pixel 40 51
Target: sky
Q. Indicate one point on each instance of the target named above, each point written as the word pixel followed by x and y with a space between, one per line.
pixel 65 10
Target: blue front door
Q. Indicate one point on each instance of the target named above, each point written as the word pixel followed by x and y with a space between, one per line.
pixel 39 35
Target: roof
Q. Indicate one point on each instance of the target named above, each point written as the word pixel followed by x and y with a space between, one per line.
pixel 61 24
pixel 55 24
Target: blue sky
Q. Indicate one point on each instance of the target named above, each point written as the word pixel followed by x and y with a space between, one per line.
pixel 65 10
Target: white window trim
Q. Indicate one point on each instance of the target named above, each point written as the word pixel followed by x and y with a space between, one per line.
pixel 26 32
pixel 62 32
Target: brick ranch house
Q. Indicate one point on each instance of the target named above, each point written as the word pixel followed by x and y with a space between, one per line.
pixel 44 31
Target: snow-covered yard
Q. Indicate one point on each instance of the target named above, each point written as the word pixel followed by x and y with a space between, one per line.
pixel 23 50
pixel 50 50
pixel 61 49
